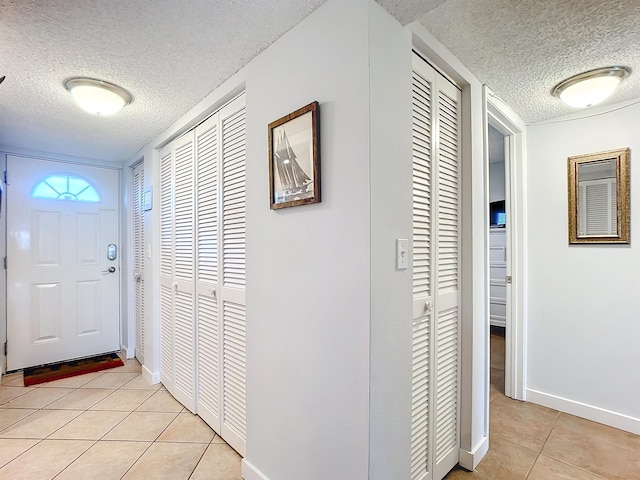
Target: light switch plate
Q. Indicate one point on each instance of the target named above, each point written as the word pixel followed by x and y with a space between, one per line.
pixel 402 253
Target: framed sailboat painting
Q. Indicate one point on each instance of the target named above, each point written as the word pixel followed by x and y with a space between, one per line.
pixel 294 158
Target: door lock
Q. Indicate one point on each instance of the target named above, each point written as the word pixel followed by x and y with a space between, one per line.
pixel 109 270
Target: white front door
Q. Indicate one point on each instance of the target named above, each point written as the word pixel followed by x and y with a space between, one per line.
pixel 63 261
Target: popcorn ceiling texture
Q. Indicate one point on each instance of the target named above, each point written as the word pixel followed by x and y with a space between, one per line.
pixel 168 54
pixel 522 48
pixel 171 54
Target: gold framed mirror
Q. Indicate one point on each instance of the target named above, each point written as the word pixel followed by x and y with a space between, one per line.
pixel 599 197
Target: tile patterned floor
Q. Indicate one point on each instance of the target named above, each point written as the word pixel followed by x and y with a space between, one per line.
pixel 112 425
pixel 527 441
pixel 106 425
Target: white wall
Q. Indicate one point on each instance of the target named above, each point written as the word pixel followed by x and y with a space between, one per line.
pixel 583 300
pixel 391 218
pixel 496 165
pixel 3 249
pixel 496 182
pixel 328 354
pixel 308 267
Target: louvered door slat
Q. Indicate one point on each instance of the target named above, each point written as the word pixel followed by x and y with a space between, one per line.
pixel 184 182
pixel 234 378
pixel 207 194
pixel 448 193
pixel 422 84
pixel 446 318
pixel 447 382
pixel 420 400
pixel 436 269
pixel 166 213
pixel 232 244
pixel 208 360
pixel 184 345
pixel 166 336
pixel 233 190
pixel 421 185
pixel 138 257
pixel 207 224
pixel 166 266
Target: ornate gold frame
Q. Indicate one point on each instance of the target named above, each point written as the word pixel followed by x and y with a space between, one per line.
pixel 621 156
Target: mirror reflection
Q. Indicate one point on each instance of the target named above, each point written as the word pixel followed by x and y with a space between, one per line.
pixel 597 205
pixel 599 197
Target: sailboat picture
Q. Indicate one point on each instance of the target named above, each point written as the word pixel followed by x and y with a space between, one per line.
pixel 294 159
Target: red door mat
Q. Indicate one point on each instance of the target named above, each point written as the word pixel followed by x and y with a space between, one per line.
pixel 56 371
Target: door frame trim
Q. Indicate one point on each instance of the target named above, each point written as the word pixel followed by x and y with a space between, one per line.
pixel 507 122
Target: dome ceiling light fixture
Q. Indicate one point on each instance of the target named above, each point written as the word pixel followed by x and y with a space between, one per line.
pixel 590 88
pixel 97 96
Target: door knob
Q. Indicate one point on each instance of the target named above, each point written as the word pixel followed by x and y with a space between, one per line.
pixel 428 307
pixel 109 270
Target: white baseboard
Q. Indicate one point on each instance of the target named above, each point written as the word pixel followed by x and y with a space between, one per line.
pixel 150 376
pixel 597 414
pixel 128 353
pixel 249 472
pixel 471 459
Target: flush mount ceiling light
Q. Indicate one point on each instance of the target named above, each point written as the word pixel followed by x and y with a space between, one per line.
pixel 590 88
pixel 97 96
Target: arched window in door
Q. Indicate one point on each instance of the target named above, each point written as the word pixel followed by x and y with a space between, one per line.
pixel 65 187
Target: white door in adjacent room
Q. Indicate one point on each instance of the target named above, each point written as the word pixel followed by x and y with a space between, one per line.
pixel 63 261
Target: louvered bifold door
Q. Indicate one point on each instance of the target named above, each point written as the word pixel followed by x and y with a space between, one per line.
pixel 138 257
pixel 207 159
pixel 232 273
pixel 447 284
pixel 422 87
pixel 436 273
pixel 166 267
pixel 184 279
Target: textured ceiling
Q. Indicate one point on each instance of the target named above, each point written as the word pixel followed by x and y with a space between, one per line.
pixel 171 54
pixel 522 48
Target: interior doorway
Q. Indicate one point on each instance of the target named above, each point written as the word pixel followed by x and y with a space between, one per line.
pixel 506 247
pixel 498 255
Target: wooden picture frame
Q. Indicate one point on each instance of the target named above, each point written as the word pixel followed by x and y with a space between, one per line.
pixel 599 210
pixel 294 158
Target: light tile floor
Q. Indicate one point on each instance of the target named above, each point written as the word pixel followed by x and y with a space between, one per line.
pixel 112 425
pixel 527 441
pixel 106 425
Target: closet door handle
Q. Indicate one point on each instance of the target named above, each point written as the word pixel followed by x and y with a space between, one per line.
pixel 428 307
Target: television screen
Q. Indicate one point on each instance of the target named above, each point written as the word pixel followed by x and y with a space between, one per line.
pixel 498 217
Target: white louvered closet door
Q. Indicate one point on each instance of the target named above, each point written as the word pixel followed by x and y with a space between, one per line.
pixel 207 288
pixel 138 257
pixel 177 326
pixel 232 273
pixel 184 291
pixel 220 284
pixel 166 266
pixel 447 285
pixel 422 91
pixel 436 273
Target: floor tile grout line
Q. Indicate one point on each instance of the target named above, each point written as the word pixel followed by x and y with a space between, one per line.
pixel 195 467
pixel 19 420
pixel 597 475
pixel 72 461
pixel 137 460
pixel 39 440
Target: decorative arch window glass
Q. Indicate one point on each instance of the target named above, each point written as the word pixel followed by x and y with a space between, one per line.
pixel 66 187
